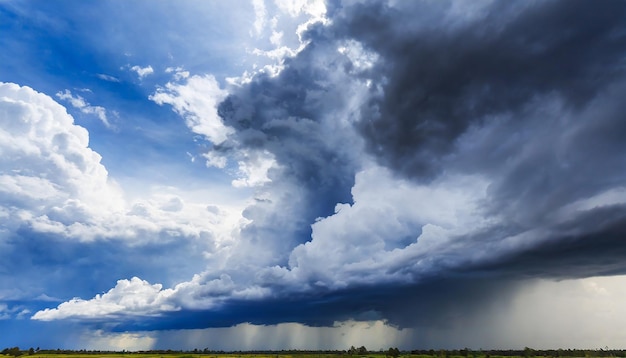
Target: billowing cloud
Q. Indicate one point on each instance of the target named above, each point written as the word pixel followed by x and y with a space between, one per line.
pixel 196 101
pixel 439 78
pixel 56 184
pixel 408 161
pixel 278 29
pixel 128 297
pixel 58 203
pixel 47 167
pixel 560 305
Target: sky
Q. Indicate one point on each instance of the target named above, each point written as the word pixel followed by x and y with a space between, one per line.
pixel 308 174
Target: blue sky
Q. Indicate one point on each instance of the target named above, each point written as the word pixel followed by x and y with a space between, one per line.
pixel 301 174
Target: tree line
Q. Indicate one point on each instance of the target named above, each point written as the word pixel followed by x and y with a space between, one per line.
pixel 356 352
pixel 526 352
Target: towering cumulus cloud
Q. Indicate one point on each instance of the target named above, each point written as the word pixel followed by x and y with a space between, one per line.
pixel 302 122
pixel 63 196
pixel 413 158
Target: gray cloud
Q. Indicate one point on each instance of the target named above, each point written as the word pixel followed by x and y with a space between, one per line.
pixel 423 157
pixel 439 78
pixel 300 117
pixel 524 96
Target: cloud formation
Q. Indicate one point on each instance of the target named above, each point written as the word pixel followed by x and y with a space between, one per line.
pixel 47 167
pixel 107 78
pixel 58 203
pixel 142 71
pixel 439 78
pixel 80 103
pixel 55 183
pixel 409 160
pixel 128 297
pixel 197 102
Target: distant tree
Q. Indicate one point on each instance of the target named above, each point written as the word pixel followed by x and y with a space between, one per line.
pixel 14 351
pixel 352 350
pixel 31 351
pixel 393 352
pixel 361 350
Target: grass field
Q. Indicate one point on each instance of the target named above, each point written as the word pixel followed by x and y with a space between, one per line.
pixel 528 353
pixel 266 355
pixel 224 355
pixel 229 355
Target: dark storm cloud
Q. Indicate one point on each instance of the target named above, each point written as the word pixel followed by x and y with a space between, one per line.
pixel 291 116
pixel 440 79
pixel 435 304
pixel 284 115
pixel 524 95
pixel 453 295
pixel 590 245
pixel 527 97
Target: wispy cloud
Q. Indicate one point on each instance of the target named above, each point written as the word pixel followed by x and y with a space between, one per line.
pixel 79 102
pixel 107 77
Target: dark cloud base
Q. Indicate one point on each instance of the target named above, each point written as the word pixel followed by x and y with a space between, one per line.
pixel 592 245
pixel 453 297
pixel 427 305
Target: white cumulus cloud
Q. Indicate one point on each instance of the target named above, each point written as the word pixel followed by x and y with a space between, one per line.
pixel 128 297
pixel 137 297
pixel 46 162
pixel 196 100
pixel 52 181
pixel 142 71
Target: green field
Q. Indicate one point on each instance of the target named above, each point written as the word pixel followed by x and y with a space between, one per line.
pixel 438 354
pixel 232 355
pixel 391 353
